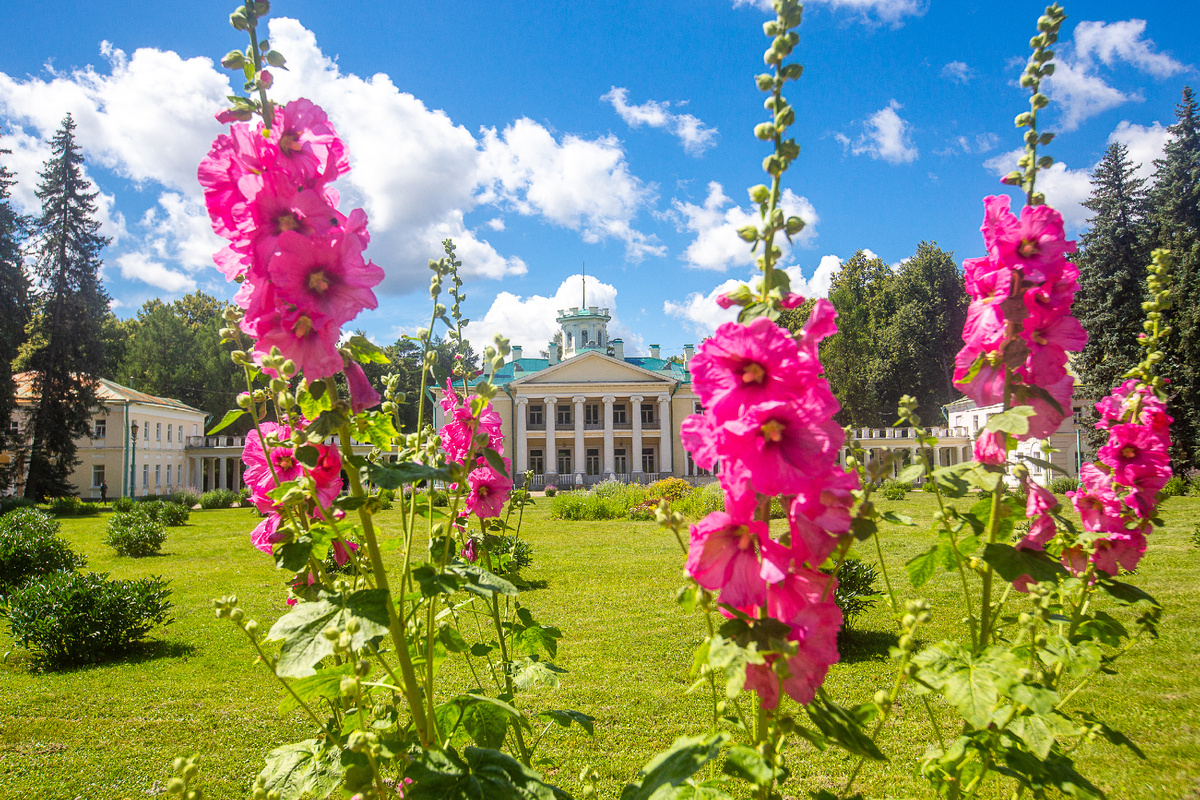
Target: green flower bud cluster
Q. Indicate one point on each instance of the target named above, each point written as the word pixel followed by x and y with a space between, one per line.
pixel 1158 285
pixel 186 773
pixel 260 790
pixel 1040 66
pixel 227 608
pixel 252 63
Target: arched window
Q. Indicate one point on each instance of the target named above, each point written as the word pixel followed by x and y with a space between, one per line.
pixel 569 340
pixel 583 340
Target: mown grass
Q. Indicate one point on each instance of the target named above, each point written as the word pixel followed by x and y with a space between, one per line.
pixel 111 731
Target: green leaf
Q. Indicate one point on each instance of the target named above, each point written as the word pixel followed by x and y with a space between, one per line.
pixel 1011 563
pixel 314 399
pixel 898 519
pixel 304 644
pixel 713 789
pixel 294 555
pixel 433 582
pixel 479 649
pixel 483 773
pixel 968 680
pixel 531 672
pixel 487 723
pixel 1046 465
pixel 529 636
pixel 842 726
pixel 863 528
pixel 922 567
pixel 229 418
pixel 496 462
pixel 981 478
pixel 1014 421
pixel 452 640
pixel 1128 594
pixel 481 582
pixel 673 766
pixel 950 480
pixel 1054 771
pixel 565 718
pixel 393 476
pixel 364 351
pixel 1103 628
pixel 303 769
pixel 327 684
pixel 748 764
pixel 327 423
pixel 911 473
pixel 377 428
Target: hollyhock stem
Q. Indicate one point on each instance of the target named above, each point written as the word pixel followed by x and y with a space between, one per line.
pixel 508 683
pixel 267 111
pixel 416 708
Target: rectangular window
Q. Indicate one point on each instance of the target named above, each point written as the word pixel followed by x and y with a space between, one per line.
pixel 564 415
pixel 146 434
pixel 536 462
pixel 168 474
pixel 592 462
pixel 97 475
pixel 168 433
pixel 975 421
pixel 647 413
pixel 591 414
pixel 181 434
pixel 535 415
pixel 698 408
pixel 1077 415
pixel 158 431
pixel 648 460
pixel 564 462
pixel 145 476
pixel 620 461
pixel 195 429
pixel 100 429
pixel 619 416
pixel 157 476
pixel 14 427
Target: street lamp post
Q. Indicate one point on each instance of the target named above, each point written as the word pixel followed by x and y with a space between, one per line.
pixel 133 431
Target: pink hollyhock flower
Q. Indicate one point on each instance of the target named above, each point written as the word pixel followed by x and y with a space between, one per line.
pixel 1119 551
pixel 470 551
pixel 815 630
pixel 990 448
pixel 781 445
pixel 282 459
pixel 276 206
pixel 698 434
pixel 726 300
pixel 791 300
pixel 1134 454
pixel 819 515
pixel 488 490
pixel 1038 505
pixel 266 533
pixel 309 341
pixel 450 400
pixel 308 146
pixel 231 157
pixel 1036 241
pixel 362 393
pixel 1096 501
pixel 1046 419
pixel 324 276
pixel 987 386
pixel 735 556
pixel 742 365
pixel 820 325
pixel 343 551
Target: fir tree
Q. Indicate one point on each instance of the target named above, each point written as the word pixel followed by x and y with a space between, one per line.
pixel 65 350
pixel 1112 274
pixel 14 307
pixel 1176 209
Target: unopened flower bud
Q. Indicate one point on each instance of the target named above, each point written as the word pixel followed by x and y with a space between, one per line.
pixel 237 614
pixel 348 686
pixel 363 668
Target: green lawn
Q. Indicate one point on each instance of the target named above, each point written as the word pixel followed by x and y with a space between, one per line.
pixel 111 731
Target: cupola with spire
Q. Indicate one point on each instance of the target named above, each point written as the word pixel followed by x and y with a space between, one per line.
pixel 585 327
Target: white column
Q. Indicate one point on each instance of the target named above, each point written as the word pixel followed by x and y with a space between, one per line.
pixel 609 468
pixel 579 401
pixel 521 455
pixel 551 446
pixel 664 434
pixel 635 403
pixel 191 476
pixel 224 479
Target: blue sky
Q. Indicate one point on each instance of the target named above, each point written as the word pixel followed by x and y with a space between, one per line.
pixel 541 136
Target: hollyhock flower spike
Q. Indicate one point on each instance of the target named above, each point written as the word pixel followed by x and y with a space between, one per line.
pixel 742 365
pixel 735 556
pixel 489 489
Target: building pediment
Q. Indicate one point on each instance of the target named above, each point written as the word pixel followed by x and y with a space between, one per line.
pixel 594 367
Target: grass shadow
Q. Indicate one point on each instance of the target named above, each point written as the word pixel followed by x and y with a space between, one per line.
pixel 857 645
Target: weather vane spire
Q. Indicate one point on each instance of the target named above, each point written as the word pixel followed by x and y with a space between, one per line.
pixel 584 306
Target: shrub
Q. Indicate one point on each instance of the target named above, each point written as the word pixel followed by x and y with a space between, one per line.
pixel 1175 487
pixel 894 490
pixel 437 497
pixel 551 490
pixel 1017 495
pixel 70 618
pixel 29 545
pixel 8 504
pixel 701 502
pixel 644 511
pixel 670 488
pixel 123 504
pixel 929 486
pixel 174 514
pixel 218 498
pixel 1062 484
pixel 186 496
pixel 856 590
pixel 510 554
pixel 72 507
pixel 577 506
pixel 628 494
pixel 135 534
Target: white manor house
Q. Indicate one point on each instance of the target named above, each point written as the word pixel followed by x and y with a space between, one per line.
pixel 599 414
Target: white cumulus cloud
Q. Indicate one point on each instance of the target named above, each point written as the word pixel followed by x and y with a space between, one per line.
pixel 530 321
pixel 1077 83
pixel 695 136
pixel 958 71
pixel 889 12
pixel 716 221
pixel 886 135
pixel 1065 189
pixel 1145 143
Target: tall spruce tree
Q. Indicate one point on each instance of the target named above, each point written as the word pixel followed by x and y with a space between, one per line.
pixel 1175 200
pixel 14 304
pixel 65 351
pixel 1112 274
